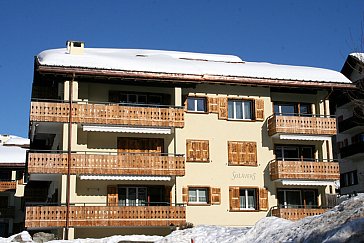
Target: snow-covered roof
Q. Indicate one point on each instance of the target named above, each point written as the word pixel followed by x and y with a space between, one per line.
pixel 173 62
pixel 17 141
pixel 12 155
pixel 358 55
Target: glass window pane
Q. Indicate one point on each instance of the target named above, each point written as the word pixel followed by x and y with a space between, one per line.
pixel 293 199
pixel 190 104
pixel 230 109
pixel 132 98
pixel 276 109
pixel 290 153
pixel 201 104
pixel 247 110
pixel 142 99
pixel 238 110
pixel 122 196
pixel 288 109
pixel 192 195
pixel 142 196
pixel 242 199
pixel 305 109
pixel 307 154
pixel 202 195
pixel 251 199
pixel 132 197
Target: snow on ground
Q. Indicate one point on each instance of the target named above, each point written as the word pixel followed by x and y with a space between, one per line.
pixel 344 223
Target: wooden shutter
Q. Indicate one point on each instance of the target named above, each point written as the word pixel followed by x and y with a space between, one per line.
pixel 223 108
pixel 185 194
pixel 112 195
pixel 213 105
pixel 263 199
pixel 259 109
pixel 242 153
pixel 215 196
pixel 234 198
pixel 233 153
pixel 197 150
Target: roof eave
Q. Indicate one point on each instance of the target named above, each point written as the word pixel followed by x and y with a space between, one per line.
pixel 191 78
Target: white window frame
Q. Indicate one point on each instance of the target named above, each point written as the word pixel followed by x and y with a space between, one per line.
pixel 195 104
pixel 242 108
pixel 198 189
pixel 246 198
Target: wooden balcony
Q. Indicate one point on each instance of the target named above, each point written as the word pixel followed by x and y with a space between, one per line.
pixel 301 125
pixel 304 170
pixel 108 114
pixel 7 185
pixel 296 213
pixel 107 164
pixel 88 216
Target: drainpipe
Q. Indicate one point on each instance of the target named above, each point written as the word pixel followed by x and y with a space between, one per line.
pixel 69 157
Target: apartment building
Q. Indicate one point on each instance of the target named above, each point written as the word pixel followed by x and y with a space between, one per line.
pixel 130 141
pixel 350 137
pixel 12 165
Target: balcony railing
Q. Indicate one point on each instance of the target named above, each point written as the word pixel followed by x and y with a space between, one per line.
pixel 7 185
pixel 108 113
pixel 296 213
pixel 307 125
pixel 84 216
pixel 352 149
pixel 107 164
pixel 305 170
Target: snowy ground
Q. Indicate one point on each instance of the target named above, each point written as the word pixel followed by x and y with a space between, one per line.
pixel 344 223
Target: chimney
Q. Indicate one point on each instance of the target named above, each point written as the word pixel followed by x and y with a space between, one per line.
pixel 75 47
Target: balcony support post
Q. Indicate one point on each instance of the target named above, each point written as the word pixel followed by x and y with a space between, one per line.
pixel 70 98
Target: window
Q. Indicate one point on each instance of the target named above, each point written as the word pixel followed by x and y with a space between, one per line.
pixel 240 109
pixel 197 150
pixel 294 153
pixel 248 199
pixel 349 178
pixel 139 98
pixel 242 153
pixel 132 196
pixel 292 109
pixel 198 195
pixel 196 104
pixel 297 198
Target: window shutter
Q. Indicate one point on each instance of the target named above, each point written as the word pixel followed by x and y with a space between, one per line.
pixel 197 150
pixel 234 198
pixel 242 153
pixel 263 199
pixel 185 194
pixel 112 195
pixel 233 153
pixel 259 109
pixel 213 105
pixel 223 108
pixel 215 196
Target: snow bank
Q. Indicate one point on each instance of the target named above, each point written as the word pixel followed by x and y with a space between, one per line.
pixel 344 223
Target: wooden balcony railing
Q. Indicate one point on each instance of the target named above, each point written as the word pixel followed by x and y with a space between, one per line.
pixel 7 185
pixel 83 216
pixel 296 213
pixel 106 164
pixel 304 170
pixel 110 114
pixel 301 125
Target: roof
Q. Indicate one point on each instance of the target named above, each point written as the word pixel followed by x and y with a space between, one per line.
pixel 12 155
pixel 172 62
pixel 16 141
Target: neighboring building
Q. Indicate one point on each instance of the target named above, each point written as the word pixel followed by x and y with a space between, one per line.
pixel 161 138
pixel 350 117
pixel 12 165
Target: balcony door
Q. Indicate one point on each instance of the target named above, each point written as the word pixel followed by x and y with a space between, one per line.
pixel 150 146
pixel 132 196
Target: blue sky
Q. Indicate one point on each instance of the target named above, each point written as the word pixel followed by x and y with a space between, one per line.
pixel 309 33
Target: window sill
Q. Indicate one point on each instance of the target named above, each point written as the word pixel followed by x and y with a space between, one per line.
pixel 197 112
pixel 255 165
pixel 198 204
pixel 245 210
pixel 241 120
